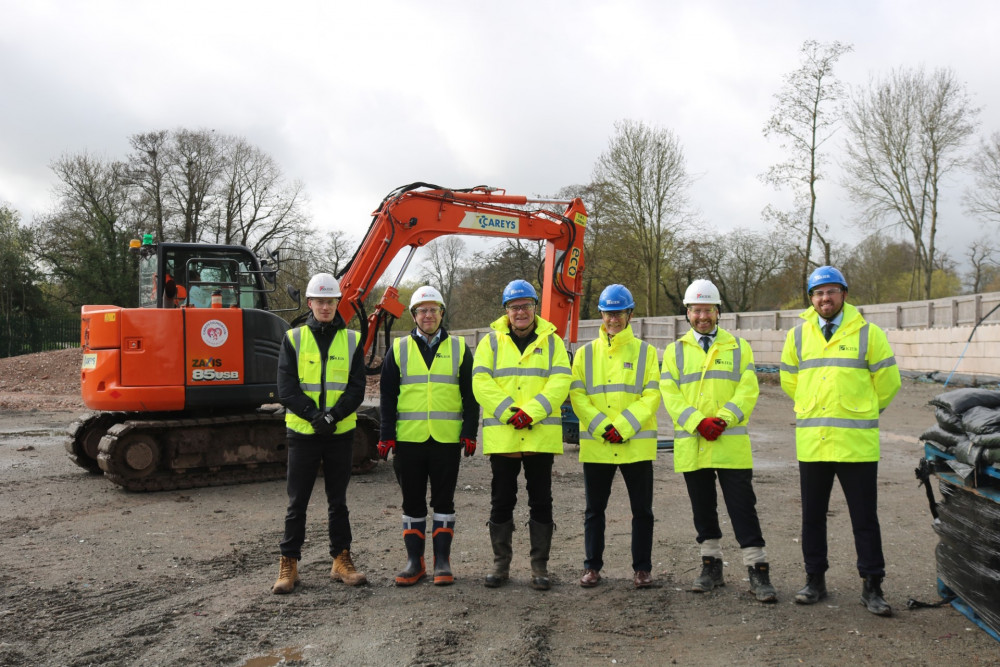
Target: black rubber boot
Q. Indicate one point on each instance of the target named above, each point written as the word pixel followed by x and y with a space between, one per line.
pixel 443 533
pixel 501 535
pixel 711 575
pixel 541 544
pixel 814 590
pixel 760 582
pixel 414 539
pixel 871 596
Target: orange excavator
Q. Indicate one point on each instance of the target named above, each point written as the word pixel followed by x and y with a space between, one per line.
pixel 184 386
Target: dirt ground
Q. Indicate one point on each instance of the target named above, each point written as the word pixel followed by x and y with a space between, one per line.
pixel 94 575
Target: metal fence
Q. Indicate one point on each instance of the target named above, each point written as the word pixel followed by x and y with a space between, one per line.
pixel 21 334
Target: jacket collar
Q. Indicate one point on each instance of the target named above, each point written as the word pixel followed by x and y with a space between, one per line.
pixel 624 337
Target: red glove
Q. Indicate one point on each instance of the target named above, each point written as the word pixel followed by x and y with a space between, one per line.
pixel 710 428
pixel 611 434
pixel 520 419
pixel 469 444
pixel 384 447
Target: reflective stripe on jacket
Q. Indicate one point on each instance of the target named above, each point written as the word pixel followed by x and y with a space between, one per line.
pixel 720 383
pixel 839 387
pixel 322 381
pixel 430 402
pixel 536 382
pixel 616 383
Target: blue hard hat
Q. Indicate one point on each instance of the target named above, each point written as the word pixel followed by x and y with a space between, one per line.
pixel 518 289
pixel 825 275
pixel 615 297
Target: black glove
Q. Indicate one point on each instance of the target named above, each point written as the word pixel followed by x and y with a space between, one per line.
pixel 324 423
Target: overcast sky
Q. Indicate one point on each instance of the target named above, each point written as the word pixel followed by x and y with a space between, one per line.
pixel 357 98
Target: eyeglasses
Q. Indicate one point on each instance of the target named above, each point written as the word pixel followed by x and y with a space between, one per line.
pixel 523 308
pixel 614 314
pixel 833 291
pixel 427 311
pixel 701 312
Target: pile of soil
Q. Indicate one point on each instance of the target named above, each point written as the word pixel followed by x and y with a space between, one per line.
pixel 42 381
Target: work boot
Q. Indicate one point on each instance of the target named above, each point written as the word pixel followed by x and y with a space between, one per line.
pixel 501 535
pixel 814 590
pixel 541 544
pixel 414 540
pixel 760 582
pixel 288 575
pixel 444 532
pixel 711 575
pixel 343 570
pixel 871 596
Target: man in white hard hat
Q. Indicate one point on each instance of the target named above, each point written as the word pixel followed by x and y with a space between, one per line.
pixel 321 383
pixel 429 416
pixel 709 387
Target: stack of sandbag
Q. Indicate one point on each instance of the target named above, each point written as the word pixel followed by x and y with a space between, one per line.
pixel 968 425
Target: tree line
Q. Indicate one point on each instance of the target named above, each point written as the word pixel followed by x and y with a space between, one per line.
pixel 897 139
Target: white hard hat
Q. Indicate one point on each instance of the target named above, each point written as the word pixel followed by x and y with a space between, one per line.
pixel 702 291
pixel 424 294
pixel 323 285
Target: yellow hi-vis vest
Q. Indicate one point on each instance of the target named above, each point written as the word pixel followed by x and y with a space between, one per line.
pixel 315 376
pixel 839 387
pixel 616 383
pixel 430 403
pixel 536 382
pixel 720 383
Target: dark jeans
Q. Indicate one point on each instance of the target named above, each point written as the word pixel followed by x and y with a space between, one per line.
pixel 597 480
pixel 537 479
pixel 305 455
pixel 417 462
pixel 859 482
pixel 741 504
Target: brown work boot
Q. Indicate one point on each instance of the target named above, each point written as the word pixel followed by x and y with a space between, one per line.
pixel 343 570
pixel 642 579
pixel 590 578
pixel 288 576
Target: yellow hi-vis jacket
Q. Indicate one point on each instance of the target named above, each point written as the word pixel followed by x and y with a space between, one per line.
pixel 720 383
pixel 430 402
pixel 536 382
pixel 315 375
pixel 616 382
pixel 839 387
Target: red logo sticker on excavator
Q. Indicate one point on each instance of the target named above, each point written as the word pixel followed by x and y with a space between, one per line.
pixel 214 333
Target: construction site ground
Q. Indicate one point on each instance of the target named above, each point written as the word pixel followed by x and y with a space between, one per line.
pixel 94 575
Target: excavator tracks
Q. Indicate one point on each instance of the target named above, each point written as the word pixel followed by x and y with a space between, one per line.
pixel 163 452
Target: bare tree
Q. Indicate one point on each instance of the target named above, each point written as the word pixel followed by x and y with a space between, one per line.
pixel 147 170
pixel 443 266
pixel 906 133
pixel 983 199
pixel 804 118
pixel 194 165
pixel 645 183
pixel 984 257
pixel 741 264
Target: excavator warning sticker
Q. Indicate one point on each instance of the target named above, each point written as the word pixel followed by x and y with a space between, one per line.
pixel 214 333
pixel 89 362
pixel 504 224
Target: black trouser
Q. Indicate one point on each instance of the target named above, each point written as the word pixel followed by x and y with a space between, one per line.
pixel 741 504
pixel 537 479
pixel 859 482
pixel 305 455
pixel 597 480
pixel 417 462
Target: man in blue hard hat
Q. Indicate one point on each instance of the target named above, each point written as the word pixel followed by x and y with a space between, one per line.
pixel 841 373
pixel 616 395
pixel 521 376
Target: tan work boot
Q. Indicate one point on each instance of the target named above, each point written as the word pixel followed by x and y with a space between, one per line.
pixel 343 570
pixel 288 576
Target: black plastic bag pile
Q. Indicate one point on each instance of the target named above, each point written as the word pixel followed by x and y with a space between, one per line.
pixel 968 425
